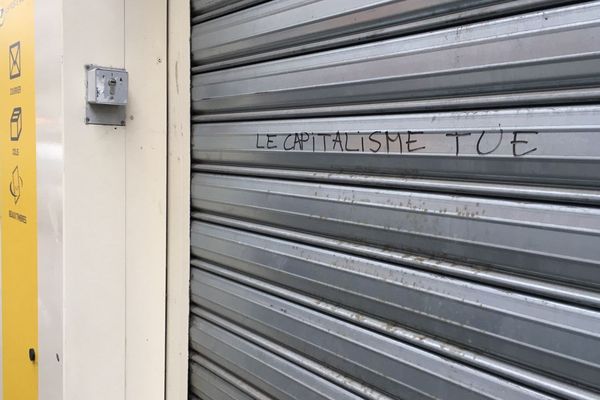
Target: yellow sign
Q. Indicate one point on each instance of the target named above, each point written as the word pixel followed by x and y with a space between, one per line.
pixel 18 201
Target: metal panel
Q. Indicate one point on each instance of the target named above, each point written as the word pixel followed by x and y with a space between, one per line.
pixel 398 332
pixel 395 199
pixel 545 289
pixel 484 145
pixel 401 369
pixel 209 386
pixel 285 28
pixel 201 365
pixel 530 192
pixel 51 174
pixel 270 373
pixel 521 328
pixel 203 10
pixel 537 51
pixel 550 241
pixel 336 377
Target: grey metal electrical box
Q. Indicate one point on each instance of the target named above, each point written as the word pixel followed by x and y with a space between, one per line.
pixel 107 94
pixel 107 86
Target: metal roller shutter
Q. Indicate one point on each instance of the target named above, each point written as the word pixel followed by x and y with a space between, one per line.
pixel 395 200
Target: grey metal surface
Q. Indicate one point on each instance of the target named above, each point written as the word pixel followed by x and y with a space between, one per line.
pixel 395 199
pixel 521 328
pixel 553 242
pixel 315 367
pixel 210 386
pixel 537 51
pixel 198 361
pixel 285 28
pixel 472 145
pixel 418 339
pixel 102 114
pixel 474 102
pixel 402 370
pixel 268 372
pixel 474 273
pixel 530 192
pixel 107 95
pixel 203 10
pixel 204 6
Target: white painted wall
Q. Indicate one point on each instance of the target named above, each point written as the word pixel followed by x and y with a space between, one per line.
pixel 178 278
pixel 146 202
pixel 102 205
pixel 94 211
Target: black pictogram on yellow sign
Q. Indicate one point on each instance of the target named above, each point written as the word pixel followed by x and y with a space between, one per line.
pixel 16 124
pixel 14 55
pixel 15 185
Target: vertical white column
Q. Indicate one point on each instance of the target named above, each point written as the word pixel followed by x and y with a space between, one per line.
pixel 50 192
pixel 178 244
pixel 94 211
pixel 146 202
